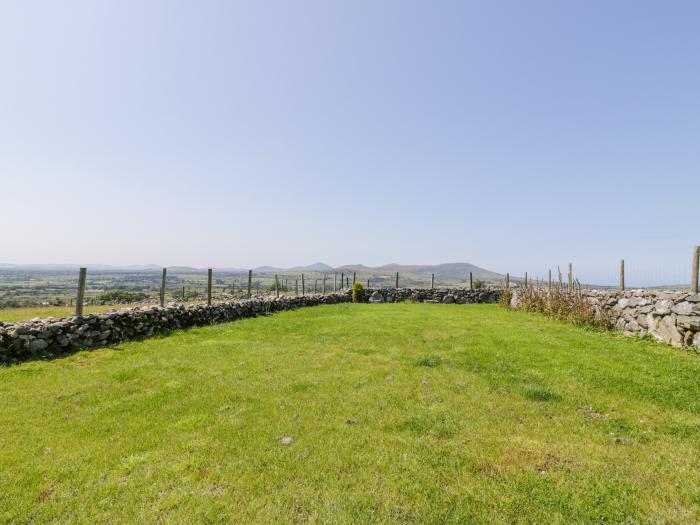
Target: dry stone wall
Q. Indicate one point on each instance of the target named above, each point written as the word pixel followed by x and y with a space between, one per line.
pixel 673 317
pixel 44 338
pixel 438 295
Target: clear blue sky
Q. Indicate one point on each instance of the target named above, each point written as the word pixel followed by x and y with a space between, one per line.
pixel 514 135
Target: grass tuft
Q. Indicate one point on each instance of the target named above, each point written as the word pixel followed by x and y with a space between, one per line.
pixel 429 361
pixel 541 394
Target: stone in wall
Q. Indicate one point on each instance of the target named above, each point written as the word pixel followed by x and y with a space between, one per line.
pixel 671 317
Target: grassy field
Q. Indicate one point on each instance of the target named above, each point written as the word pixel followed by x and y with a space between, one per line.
pixel 12 315
pixel 392 413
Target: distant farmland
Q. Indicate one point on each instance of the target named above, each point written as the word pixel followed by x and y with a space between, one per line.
pixel 36 286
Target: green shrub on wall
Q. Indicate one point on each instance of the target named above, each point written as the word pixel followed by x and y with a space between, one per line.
pixel 560 303
pixel 358 293
pixel 479 284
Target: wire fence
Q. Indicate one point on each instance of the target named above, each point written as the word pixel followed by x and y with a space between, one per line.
pixel 36 288
pixel 681 273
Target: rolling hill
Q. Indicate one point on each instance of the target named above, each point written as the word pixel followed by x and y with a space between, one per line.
pixel 446 271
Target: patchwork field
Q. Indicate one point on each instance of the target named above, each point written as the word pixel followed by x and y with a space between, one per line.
pixel 388 413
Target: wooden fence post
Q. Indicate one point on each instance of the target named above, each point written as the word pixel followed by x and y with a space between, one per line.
pixel 303 286
pixel 277 286
pixel 397 280
pixel 432 281
pixel 571 276
pixel 525 279
pixel 354 276
pixel 549 281
pixel 162 287
pixel 368 283
pixel 183 293
pixel 471 281
pixel 315 286
pixel 622 275
pixel 335 282
pixel 82 277
pixel 507 281
pixel 250 283
pixel 695 271
pixel 342 280
pixel 209 279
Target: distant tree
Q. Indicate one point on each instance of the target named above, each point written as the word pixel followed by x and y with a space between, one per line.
pixel 120 296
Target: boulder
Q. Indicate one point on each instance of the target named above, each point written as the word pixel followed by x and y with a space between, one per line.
pixel 448 299
pixel 692 322
pixel 632 327
pixel 664 306
pixel 620 325
pixel 664 329
pixel 38 345
pixel 376 297
pixel 684 308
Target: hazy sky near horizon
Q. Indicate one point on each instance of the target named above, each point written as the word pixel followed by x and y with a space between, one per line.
pixel 513 135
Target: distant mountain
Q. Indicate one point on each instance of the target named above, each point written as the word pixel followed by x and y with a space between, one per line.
pixel 185 269
pixel 268 269
pixel 448 271
pixel 316 267
pixel 441 271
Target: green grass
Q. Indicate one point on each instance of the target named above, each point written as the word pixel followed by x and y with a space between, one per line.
pixel 13 315
pixel 399 413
